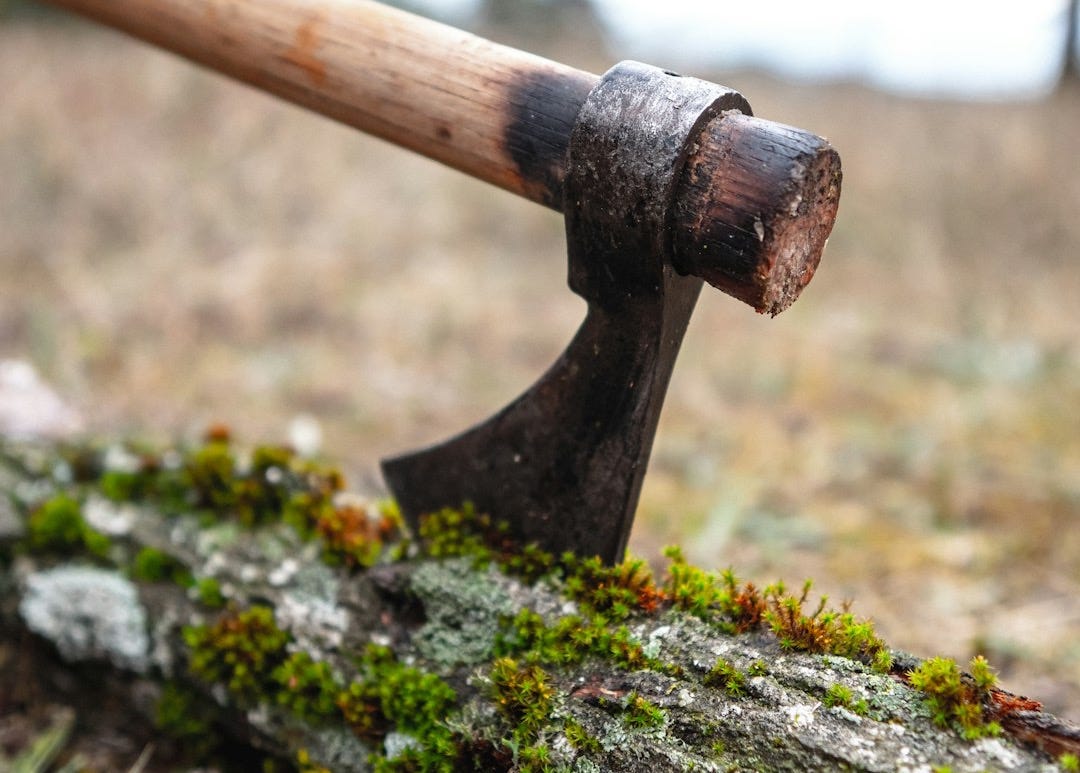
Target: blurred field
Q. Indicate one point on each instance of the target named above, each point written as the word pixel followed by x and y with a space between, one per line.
pixel 175 249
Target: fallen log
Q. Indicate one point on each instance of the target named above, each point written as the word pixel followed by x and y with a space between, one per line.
pixel 246 594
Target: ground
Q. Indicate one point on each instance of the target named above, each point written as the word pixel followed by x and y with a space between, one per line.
pixel 177 249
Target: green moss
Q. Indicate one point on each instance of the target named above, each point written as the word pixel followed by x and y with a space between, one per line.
pixel 274 485
pixel 240 650
pixel 534 759
pixel 757 668
pixel 640 713
pixel 413 701
pixel 527 635
pixel 353 536
pixel 210 473
pixel 720 600
pixel 529 562
pixel 523 695
pixel 57 526
pixel 189 718
pixel 616 590
pixel 838 695
pixel 724 675
pixel 143 477
pixel 388 694
pixel 307 688
pixel 715 598
pixel 984 677
pixel 609 595
pixel 254 496
pixel 263 491
pixel 460 532
pixel 438 752
pixel 573 638
pixel 303 509
pixel 153 565
pixel 208 591
pixel 606 595
pixel 955 700
pixel 268 486
pixel 1069 762
pixel 122 486
pixel 823 630
pixel 580 739
pixel 359 705
pixel 266 457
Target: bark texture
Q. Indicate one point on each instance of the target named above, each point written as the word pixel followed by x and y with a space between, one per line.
pixel 448 617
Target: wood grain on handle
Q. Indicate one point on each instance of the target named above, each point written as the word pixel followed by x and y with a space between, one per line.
pixel 494 112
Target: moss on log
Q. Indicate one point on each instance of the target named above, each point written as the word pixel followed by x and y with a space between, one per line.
pixel 246 593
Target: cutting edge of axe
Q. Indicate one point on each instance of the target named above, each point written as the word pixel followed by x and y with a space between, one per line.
pixel 714 194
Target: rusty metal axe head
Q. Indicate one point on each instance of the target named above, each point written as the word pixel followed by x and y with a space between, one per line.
pixel 669 180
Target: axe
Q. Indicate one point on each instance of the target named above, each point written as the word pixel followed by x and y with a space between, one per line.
pixel 664 181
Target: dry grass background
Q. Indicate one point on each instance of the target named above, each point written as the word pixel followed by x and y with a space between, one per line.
pixel 175 249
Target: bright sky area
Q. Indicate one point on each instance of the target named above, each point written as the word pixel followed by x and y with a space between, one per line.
pixel 948 48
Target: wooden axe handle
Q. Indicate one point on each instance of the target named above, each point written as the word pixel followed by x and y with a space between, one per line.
pixel 429 87
pixel 505 116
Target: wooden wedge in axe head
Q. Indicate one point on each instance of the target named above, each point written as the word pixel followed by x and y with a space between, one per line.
pixel 664 181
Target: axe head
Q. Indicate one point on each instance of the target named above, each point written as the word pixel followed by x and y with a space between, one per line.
pixel 659 192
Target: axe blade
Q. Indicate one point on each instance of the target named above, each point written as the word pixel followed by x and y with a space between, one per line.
pixel 563 464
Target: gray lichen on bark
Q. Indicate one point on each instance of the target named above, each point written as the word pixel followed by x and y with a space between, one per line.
pixel 463 608
pixel 88 614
